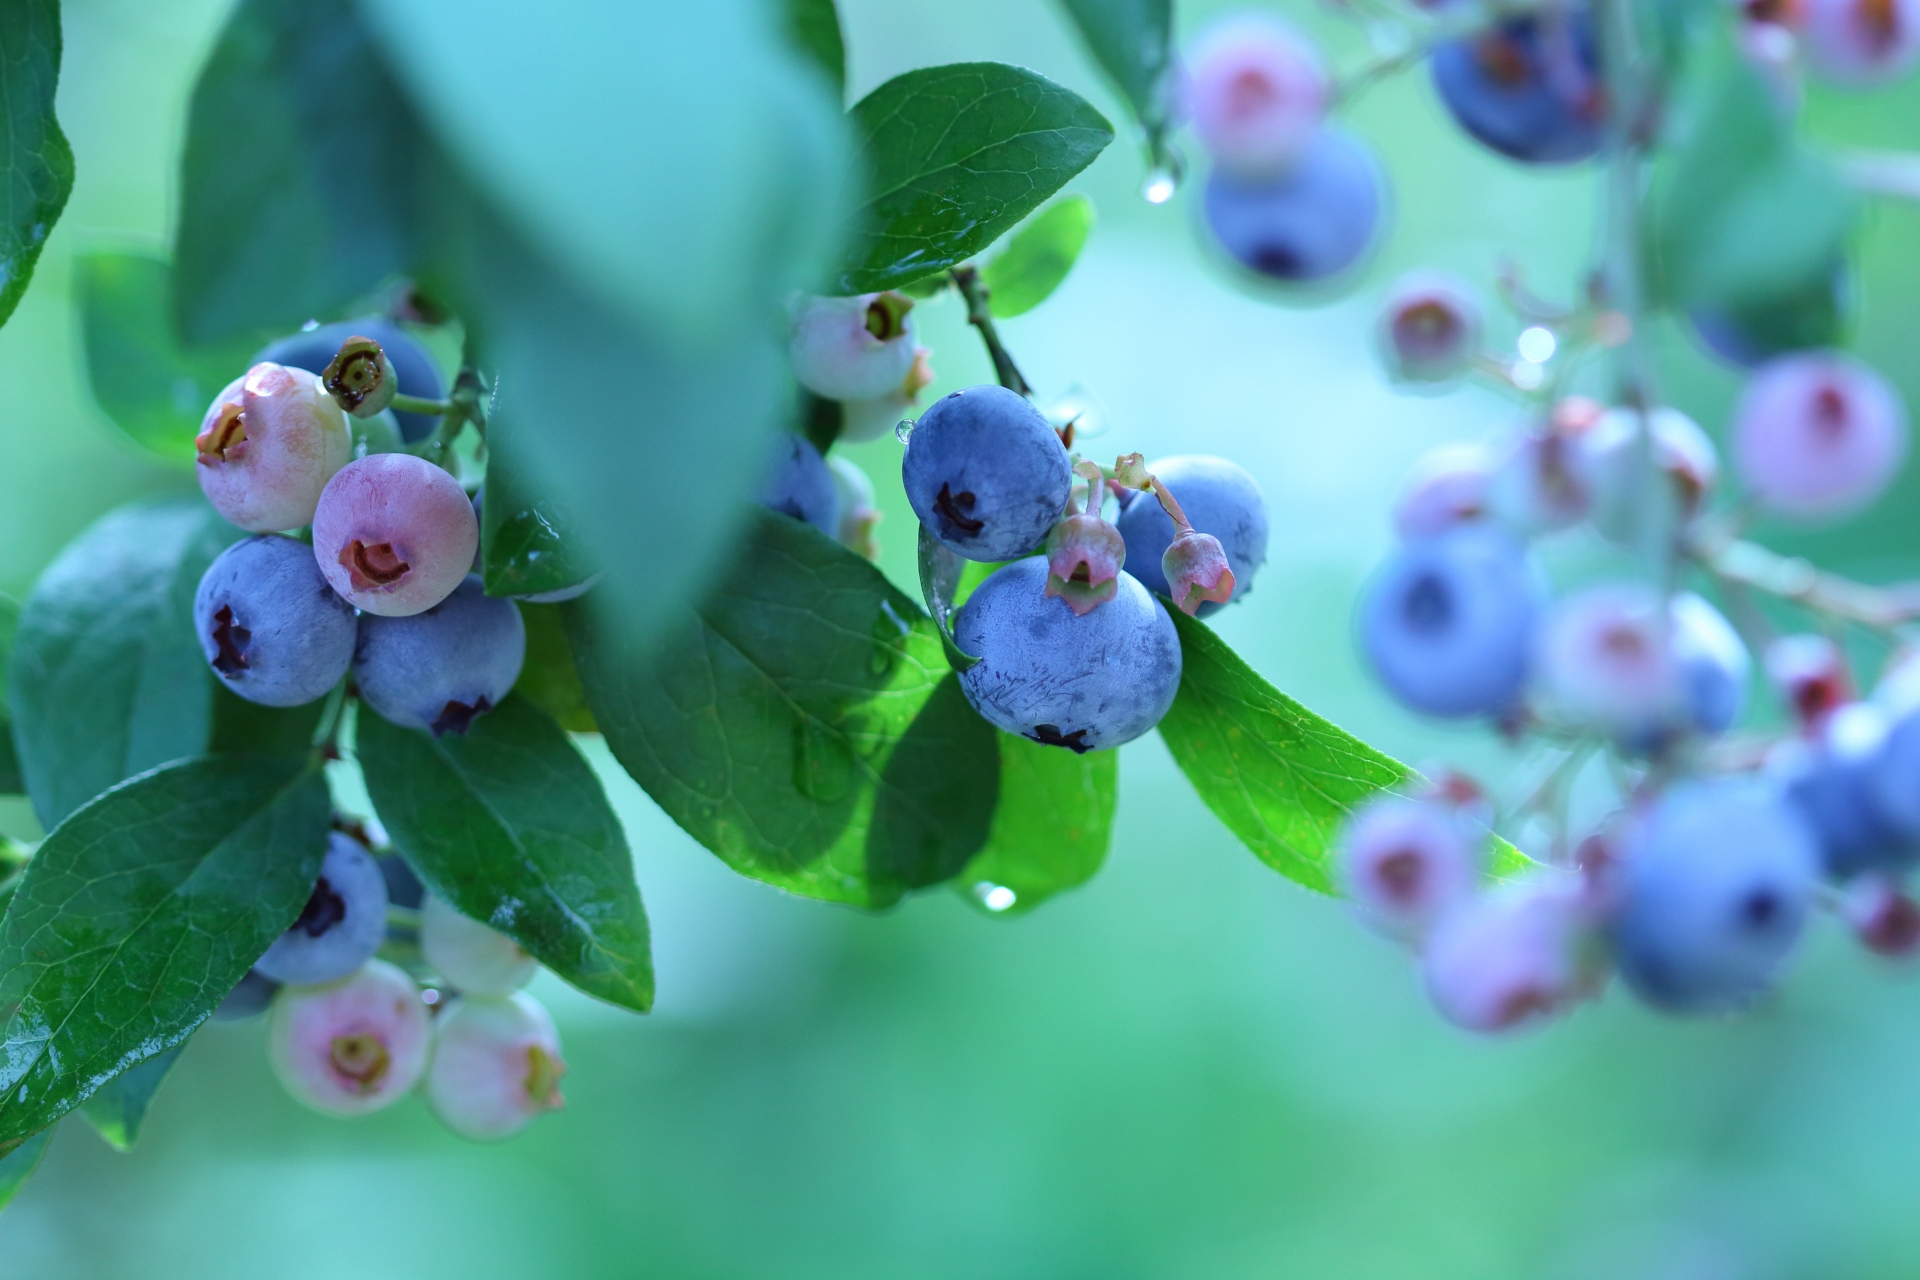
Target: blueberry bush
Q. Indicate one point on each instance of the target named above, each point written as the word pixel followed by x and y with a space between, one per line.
pixel 303 748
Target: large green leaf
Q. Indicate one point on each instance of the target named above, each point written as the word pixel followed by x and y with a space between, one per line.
pixel 548 677
pixel 509 823
pixel 39 163
pixel 802 723
pixel 1050 829
pixel 529 541
pixel 18 1165
pixel 10 780
pixel 106 678
pixel 955 156
pixel 146 383
pixel 118 1108
pixel 1021 276
pixel 814 28
pixel 1280 777
pixel 139 913
pixel 1132 40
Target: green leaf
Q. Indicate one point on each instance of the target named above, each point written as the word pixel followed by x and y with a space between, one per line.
pixel 39 163
pixel 1132 40
pixel 955 156
pixel 529 541
pixel 119 1108
pixel 19 1164
pixel 548 678
pixel 247 728
pixel 137 916
pixel 10 780
pixel 107 678
pixel 1037 259
pixel 814 28
pixel 802 723
pixel 302 177
pixel 1280 777
pixel 1742 215
pixel 509 824
pixel 1050 829
pixel 149 386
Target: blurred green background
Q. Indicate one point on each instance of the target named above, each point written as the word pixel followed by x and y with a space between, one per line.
pixel 1189 1069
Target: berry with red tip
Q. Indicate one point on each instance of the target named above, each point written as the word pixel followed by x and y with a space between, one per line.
pixel 1406 862
pixel 1528 87
pixel 496 1065
pixel 1430 328
pixel 472 956
pixel 351 1046
pixel 1449 486
pixel 440 669
pixel 1818 434
pixel 267 447
pixel 269 625
pixel 1539 483
pixel 1256 93
pixel 858 348
pixel 1861 43
pixel 394 534
pixel 1810 673
pixel 1310 223
pixel 1513 956
pixel 342 925
pixel 1084 555
pixel 1882 915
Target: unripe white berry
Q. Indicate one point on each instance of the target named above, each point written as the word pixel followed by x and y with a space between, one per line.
pixel 471 956
pixel 496 1065
pixel 352 1046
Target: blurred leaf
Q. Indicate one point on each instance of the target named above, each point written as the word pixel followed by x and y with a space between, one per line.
pixel 548 679
pixel 119 1107
pixel 303 175
pixel 137 916
pixel 39 163
pixel 955 156
pixel 801 723
pixel 1050 828
pixel 1741 214
pixel 247 728
pixel 143 380
pixel 509 824
pixel 18 1165
pixel 814 28
pixel 107 678
pixel 1021 276
pixel 528 541
pixel 1132 40
pixel 10 781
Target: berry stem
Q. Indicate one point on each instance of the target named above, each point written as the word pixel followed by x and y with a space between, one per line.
pixel 1748 564
pixel 419 404
pixel 465 405
pixel 980 315
pixel 1167 503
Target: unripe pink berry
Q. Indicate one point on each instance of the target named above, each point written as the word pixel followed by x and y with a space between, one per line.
pixel 859 348
pixel 471 956
pixel 1609 456
pixel 351 1046
pixel 1406 862
pixel 268 446
pixel 1448 486
pixel 1810 672
pixel 1539 484
pixel 1256 92
pixel 394 534
pixel 1861 43
pixel 1882 915
pixel 1818 434
pixel 496 1066
pixel 1197 572
pixel 1430 328
pixel 1606 660
pixel 1518 954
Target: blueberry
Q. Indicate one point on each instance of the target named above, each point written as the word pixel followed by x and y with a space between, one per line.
pixel 268 446
pixel 1609 459
pixel 1837 782
pixel 1430 328
pixel 270 626
pixel 496 1065
pixel 858 348
pixel 249 998
pixel 403 887
pixel 342 925
pixel 1256 92
pixel 1308 224
pixel 798 483
pixel 1528 87
pixel 440 669
pixel 351 1046
pixel 1810 673
pixel 1893 777
pixel 1083 681
pixel 1449 486
pixel 1861 43
pixel 1818 434
pixel 1406 862
pixel 1514 955
pixel 394 534
pixel 986 474
pixel 1448 622
pixel 471 956
pixel 1218 498
pixel 1713 666
pixel 1715 885
pixel 415 370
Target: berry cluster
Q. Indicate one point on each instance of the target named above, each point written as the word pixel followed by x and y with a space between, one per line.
pixel 1698 886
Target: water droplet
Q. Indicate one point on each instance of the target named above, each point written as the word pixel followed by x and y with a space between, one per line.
pixel 1537 344
pixel 1080 407
pixel 1160 185
pixel 309 326
pixel 823 765
pixel 1527 375
pixel 995 897
pixel 903 429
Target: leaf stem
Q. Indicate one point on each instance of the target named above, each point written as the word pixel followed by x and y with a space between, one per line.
pixel 967 280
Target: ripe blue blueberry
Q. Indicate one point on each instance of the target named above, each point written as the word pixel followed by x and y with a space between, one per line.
pixel 342 925
pixel 403 887
pixel 1715 885
pixel 799 483
pixel 1448 622
pixel 1218 498
pixel 270 626
pixel 1528 87
pixel 1083 681
pixel 440 669
pixel 985 473
pixel 1840 780
pixel 1309 223
pixel 416 374
pixel 248 999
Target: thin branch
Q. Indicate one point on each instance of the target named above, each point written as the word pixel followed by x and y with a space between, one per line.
pixel 980 316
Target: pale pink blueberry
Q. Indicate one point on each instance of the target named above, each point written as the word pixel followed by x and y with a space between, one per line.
pixel 858 348
pixel 1539 484
pixel 1084 556
pixel 1448 486
pixel 1818 434
pixel 1430 328
pixel 1609 455
pixel 1516 955
pixel 352 1046
pixel 267 447
pixel 1406 862
pixel 394 534
pixel 1606 660
pixel 1810 673
pixel 1861 43
pixel 496 1066
pixel 1256 92
pixel 471 956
